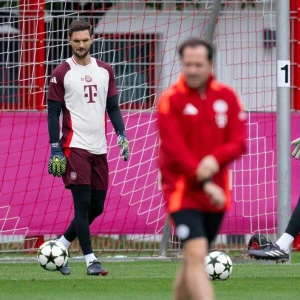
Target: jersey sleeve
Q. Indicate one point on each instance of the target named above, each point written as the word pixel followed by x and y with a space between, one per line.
pixel 236 141
pixel 112 85
pixel 56 86
pixel 171 137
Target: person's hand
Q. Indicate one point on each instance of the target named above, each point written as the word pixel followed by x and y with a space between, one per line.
pixel 215 193
pixel 296 151
pixel 207 167
pixel 124 145
pixel 57 162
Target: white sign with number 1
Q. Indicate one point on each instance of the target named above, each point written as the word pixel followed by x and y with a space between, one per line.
pixel 283 73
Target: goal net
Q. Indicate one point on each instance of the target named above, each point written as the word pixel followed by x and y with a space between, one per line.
pixel 139 39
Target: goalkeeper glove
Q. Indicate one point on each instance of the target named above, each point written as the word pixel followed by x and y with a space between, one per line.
pixel 296 151
pixel 58 162
pixel 124 145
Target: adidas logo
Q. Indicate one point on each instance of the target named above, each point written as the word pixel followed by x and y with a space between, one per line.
pixel 190 109
pixel 53 79
pixel 274 253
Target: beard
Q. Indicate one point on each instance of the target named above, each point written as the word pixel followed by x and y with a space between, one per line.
pixel 195 83
pixel 82 54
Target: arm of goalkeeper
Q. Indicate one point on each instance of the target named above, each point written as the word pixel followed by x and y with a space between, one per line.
pixel 296 151
pixel 114 113
pixel 57 162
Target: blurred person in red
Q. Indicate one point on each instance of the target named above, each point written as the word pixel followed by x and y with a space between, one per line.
pixel 201 127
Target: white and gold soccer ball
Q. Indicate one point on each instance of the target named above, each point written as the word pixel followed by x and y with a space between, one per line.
pixel 218 265
pixel 52 255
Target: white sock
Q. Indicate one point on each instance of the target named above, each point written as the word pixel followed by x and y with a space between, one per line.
pixel 89 258
pixel 64 241
pixel 285 241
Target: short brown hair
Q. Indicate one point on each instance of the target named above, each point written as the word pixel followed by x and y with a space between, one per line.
pixel 79 25
pixel 195 42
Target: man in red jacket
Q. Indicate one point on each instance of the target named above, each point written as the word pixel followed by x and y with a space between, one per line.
pixel 202 128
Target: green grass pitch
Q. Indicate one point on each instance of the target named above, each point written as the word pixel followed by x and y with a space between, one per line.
pixel 144 280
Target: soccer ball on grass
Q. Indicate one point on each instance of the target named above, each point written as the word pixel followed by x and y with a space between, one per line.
pixel 218 265
pixel 52 255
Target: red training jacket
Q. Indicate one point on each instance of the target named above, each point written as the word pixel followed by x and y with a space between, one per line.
pixel 190 127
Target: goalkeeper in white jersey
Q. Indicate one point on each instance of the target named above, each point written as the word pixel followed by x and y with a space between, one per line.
pixel 84 89
pixel 260 248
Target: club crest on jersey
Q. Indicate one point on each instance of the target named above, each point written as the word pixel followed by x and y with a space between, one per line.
pixel 73 175
pixel 88 78
pixel 221 107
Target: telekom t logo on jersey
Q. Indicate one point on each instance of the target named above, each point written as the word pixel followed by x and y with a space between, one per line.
pixel 90 92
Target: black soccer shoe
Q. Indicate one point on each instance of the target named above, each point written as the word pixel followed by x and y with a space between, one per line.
pixel 95 268
pixel 271 252
pixel 66 270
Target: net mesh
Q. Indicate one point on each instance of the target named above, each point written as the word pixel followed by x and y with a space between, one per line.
pixel 139 39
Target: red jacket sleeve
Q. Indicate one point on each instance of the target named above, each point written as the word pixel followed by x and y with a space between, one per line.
pixel 235 144
pixel 171 137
